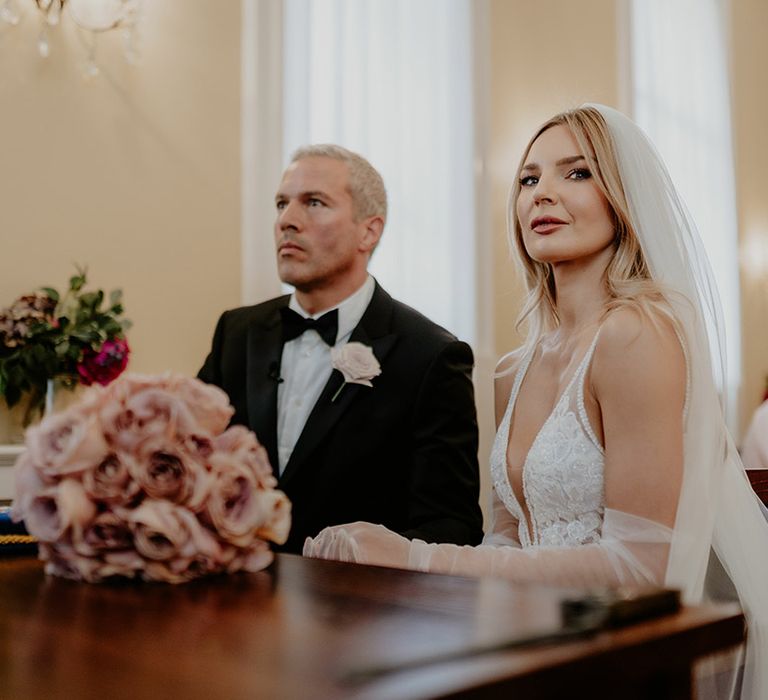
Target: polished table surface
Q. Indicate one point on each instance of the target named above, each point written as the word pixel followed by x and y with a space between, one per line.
pixel 297 630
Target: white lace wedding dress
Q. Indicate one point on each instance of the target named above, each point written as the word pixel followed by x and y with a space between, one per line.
pixel 562 532
pixel 562 474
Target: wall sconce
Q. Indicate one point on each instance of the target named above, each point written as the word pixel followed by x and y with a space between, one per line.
pixel 91 17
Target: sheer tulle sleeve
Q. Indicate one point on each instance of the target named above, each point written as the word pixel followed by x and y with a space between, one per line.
pixel 503 528
pixel 631 550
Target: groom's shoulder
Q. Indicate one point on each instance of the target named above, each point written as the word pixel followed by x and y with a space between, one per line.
pixel 243 316
pixel 420 331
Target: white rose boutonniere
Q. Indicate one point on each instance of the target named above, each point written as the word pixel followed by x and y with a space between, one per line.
pixel 357 363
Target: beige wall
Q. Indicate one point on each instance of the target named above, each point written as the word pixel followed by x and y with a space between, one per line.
pixel 749 22
pixel 134 173
pixel 538 67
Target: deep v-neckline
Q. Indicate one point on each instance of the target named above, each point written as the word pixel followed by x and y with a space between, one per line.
pixel 525 516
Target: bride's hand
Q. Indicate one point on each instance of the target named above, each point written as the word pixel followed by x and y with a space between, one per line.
pixel 363 543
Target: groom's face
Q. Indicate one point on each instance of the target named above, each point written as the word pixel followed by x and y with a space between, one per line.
pixel 319 241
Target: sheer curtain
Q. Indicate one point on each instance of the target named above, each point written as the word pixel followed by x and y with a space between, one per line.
pixel 393 80
pixel 680 96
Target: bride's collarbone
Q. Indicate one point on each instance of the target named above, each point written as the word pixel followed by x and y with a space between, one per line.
pixel 564 348
pixel 551 370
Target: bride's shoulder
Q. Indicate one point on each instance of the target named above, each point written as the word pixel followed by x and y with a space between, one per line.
pixel 632 328
pixel 641 341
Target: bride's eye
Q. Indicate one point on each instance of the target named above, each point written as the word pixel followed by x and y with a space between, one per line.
pixel 528 181
pixel 579 174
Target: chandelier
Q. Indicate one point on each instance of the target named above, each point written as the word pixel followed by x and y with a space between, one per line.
pixel 91 17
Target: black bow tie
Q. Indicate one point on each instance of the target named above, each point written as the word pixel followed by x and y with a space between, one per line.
pixel 295 324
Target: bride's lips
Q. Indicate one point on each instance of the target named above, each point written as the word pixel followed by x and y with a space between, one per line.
pixel 546 224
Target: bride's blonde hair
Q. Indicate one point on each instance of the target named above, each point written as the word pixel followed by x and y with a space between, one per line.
pixel 628 280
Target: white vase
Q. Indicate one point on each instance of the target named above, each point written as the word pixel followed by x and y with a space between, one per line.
pixel 50 391
pixel 15 421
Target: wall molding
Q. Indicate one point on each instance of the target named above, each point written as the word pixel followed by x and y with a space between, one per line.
pixel 261 143
pixel 8 456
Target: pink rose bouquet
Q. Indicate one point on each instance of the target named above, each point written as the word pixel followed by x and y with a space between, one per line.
pixel 143 479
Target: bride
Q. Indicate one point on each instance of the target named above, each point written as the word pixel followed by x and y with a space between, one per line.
pixel 612 463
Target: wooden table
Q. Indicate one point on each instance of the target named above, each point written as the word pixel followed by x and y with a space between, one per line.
pixel 294 630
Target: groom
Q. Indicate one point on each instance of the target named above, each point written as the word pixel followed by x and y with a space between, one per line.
pixel 401 452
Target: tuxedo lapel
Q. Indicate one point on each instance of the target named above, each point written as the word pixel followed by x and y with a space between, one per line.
pixel 262 372
pixel 373 331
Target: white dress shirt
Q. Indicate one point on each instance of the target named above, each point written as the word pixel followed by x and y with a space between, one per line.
pixel 306 366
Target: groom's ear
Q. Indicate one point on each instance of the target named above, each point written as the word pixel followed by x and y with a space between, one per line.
pixel 373 228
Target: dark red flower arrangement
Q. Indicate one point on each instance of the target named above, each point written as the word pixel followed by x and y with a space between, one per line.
pixel 77 338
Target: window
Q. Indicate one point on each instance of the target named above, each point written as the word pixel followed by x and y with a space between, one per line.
pixel 681 98
pixel 393 80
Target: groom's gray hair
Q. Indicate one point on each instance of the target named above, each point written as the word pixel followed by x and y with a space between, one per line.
pixel 366 186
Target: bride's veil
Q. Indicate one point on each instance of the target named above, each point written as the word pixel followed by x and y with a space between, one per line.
pixel 718 511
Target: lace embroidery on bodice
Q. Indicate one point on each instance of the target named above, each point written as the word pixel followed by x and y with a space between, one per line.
pixel 562 473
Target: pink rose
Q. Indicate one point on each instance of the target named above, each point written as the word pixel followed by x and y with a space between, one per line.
pixel 163 531
pixel 209 404
pixel 107 531
pixel 59 509
pixel 163 469
pixel 199 447
pixel 62 560
pixel 233 507
pixel 356 362
pixel 276 516
pixel 145 415
pixel 254 558
pixel 185 568
pixel 28 483
pixel 130 384
pixel 90 399
pixel 110 481
pixel 124 562
pixel 66 443
pixel 242 445
pixel 41 517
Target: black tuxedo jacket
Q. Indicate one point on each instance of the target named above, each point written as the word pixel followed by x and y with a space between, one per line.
pixel 403 453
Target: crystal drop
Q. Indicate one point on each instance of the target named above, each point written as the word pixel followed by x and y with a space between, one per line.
pixel 43 47
pixel 91 69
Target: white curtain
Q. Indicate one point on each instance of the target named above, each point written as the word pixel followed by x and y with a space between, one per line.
pixel 680 95
pixel 393 80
